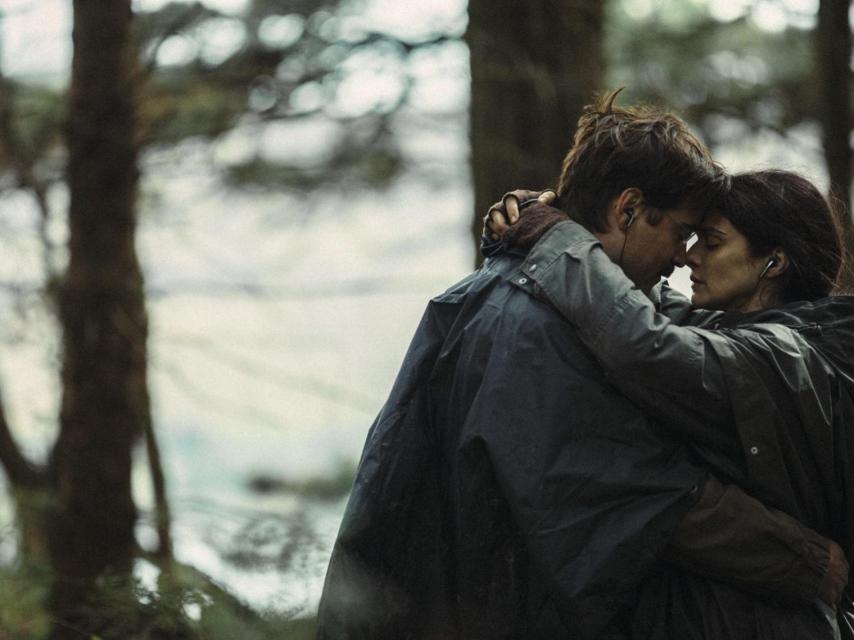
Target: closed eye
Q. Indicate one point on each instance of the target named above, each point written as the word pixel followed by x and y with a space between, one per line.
pixel 710 238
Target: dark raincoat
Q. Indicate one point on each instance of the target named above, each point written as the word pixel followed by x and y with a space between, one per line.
pixel 506 490
pixel 763 398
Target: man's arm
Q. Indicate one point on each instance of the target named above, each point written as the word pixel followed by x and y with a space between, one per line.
pixel 672 372
pixel 731 537
pixel 734 538
pixel 728 535
pixel 564 447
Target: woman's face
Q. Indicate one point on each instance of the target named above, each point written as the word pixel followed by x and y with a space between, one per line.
pixel 724 273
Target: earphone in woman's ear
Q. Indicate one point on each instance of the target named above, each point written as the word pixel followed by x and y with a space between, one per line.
pixel 770 264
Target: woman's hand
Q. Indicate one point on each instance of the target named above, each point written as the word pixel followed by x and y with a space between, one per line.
pixel 505 213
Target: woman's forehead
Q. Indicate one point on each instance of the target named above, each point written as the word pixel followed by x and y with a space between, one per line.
pixel 715 221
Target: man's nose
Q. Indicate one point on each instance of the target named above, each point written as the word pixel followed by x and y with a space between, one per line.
pixel 681 256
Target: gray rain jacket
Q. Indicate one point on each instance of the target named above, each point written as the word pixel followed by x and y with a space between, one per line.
pixel 506 490
pixel 765 399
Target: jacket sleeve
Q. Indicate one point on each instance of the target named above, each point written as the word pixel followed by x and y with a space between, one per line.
pixel 672 372
pixel 740 396
pixel 734 538
pixel 677 307
pixel 720 390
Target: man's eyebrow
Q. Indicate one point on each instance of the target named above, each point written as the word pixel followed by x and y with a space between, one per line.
pixel 712 230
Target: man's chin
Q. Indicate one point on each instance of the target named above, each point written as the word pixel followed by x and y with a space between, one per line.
pixel 647 286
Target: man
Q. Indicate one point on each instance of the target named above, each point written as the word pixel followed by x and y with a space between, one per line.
pixel 506 490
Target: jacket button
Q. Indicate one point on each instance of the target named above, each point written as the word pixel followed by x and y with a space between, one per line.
pixel 523 280
pixel 754 450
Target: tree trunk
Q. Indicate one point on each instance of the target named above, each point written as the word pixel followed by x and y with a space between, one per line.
pixel 534 65
pixel 833 48
pixel 103 319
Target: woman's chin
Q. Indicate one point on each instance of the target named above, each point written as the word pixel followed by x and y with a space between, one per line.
pixel 702 300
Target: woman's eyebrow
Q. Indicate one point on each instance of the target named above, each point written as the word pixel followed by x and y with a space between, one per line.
pixel 712 230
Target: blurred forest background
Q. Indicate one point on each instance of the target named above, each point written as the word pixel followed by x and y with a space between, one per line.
pixel 220 223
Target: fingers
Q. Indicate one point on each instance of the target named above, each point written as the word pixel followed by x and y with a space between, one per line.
pixel 497 223
pixel 502 215
pixel 487 226
pixel 547 197
pixel 522 194
pixel 511 206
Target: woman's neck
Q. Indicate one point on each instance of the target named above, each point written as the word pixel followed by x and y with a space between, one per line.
pixel 762 298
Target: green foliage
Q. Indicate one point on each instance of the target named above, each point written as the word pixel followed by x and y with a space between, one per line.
pixel 185 605
pixel 709 69
pixel 350 166
pixel 326 487
pixel 41 112
pixel 261 78
pixel 153 27
pixel 274 541
pixel 264 79
pixel 178 105
pixel 31 118
pixel 332 487
pixel 23 591
pixel 284 7
pixel 220 615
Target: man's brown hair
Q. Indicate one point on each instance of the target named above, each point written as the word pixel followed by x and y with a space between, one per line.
pixel 617 148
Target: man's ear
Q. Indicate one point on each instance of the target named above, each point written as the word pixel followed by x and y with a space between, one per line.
pixel 626 207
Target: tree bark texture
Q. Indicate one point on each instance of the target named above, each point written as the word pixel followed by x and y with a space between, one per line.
pixel 833 48
pixel 102 313
pixel 534 65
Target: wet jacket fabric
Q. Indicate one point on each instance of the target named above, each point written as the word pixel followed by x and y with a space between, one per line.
pixel 763 398
pixel 506 490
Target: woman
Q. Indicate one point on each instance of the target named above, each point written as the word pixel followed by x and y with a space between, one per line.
pixel 762 381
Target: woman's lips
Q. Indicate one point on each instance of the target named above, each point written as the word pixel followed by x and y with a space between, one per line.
pixel 696 282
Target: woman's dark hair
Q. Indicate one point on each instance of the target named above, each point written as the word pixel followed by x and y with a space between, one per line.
pixel 782 209
pixel 617 148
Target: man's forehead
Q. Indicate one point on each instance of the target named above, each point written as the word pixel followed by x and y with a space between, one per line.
pixel 690 216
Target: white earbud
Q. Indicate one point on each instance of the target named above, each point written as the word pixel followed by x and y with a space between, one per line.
pixel 631 215
pixel 770 264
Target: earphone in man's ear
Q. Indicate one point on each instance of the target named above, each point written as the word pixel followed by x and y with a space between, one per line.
pixel 630 213
pixel 770 264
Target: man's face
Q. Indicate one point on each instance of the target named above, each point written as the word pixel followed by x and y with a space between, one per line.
pixel 652 251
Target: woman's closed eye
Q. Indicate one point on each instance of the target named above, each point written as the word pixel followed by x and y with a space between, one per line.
pixel 710 239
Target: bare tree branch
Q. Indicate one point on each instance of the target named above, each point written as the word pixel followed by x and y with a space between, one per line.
pixel 162 512
pixel 23 167
pixel 368 286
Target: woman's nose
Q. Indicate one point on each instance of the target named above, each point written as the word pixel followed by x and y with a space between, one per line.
pixel 692 257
